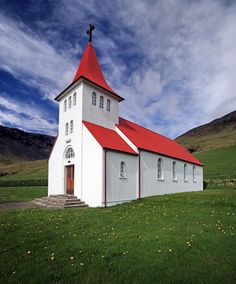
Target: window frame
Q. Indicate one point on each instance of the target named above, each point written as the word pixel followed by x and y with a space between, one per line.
pixel 123 170
pixel 65 105
pixel 71 126
pixel 94 99
pixel 185 172
pixel 194 174
pixel 160 172
pixel 66 128
pixel 69 102
pixel 101 102
pixel 70 153
pixel 74 98
pixel 109 105
pixel 174 173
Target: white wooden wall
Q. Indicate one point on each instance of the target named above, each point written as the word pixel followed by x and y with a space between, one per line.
pixel 93 170
pixel 150 185
pixel 121 190
pixel 57 162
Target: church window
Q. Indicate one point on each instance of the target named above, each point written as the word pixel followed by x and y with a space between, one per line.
pixel 123 172
pixel 67 128
pixel 71 126
pixel 108 105
pixel 185 172
pixel 69 106
pixel 101 102
pixel 160 169
pixel 74 99
pixel 70 153
pixel 174 174
pixel 65 105
pixel 194 174
pixel 94 99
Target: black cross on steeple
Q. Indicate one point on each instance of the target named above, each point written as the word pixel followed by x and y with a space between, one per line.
pixel 89 32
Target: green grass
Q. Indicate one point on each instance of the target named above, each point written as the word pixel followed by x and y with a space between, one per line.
pixel 219 167
pixel 178 238
pixel 219 163
pixel 208 140
pixel 22 193
pixel 25 170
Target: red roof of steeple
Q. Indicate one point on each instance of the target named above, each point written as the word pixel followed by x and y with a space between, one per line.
pixel 90 69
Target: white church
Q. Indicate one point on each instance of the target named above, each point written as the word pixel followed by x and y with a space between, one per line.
pixel 104 159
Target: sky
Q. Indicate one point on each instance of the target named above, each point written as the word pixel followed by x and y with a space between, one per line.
pixel 174 61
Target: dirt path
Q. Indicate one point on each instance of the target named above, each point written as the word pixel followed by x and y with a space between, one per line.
pixel 16 205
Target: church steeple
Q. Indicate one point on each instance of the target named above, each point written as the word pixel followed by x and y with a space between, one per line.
pixel 89 67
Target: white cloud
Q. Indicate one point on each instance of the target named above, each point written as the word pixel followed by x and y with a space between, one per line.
pixel 25 116
pixel 32 60
pixel 184 61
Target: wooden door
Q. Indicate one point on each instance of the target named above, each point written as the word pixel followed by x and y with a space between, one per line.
pixel 70 180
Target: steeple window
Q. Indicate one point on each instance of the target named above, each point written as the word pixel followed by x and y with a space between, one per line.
pixel 108 105
pixel 101 102
pixel 94 99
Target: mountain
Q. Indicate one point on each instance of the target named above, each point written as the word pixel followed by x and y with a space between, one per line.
pixel 218 133
pixel 18 146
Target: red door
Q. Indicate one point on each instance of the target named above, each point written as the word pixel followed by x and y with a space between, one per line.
pixel 70 180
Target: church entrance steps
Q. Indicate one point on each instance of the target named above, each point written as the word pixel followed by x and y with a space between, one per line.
pixel 59 201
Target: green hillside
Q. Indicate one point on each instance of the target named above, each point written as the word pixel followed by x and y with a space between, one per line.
pixel 219 166
pixel 18 146
pixel 25 170
pixel 219 163
pixel 219 133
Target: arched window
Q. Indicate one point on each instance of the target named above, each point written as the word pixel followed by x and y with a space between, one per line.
pixel 69 153
pixel 159 169
pixel 123 172
pixel 67 128
pixel 74 98
pixel 194 174
pixel 101 102
pixel 108 105
pixel 71 126
pixel 65 105
pixel 94 99
pixel 185 172
pixel 174 175
pixel 69 103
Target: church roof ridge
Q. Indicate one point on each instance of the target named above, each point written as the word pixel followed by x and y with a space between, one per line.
pixel 146 139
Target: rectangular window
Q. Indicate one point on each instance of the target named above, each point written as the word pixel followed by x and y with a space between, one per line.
pixel 101 102
pixel 74 99
pixel 69 102
pixel 65 105
pixel 123 172
pixel 94 99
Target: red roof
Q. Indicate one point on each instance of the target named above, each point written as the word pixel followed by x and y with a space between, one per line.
pixel 146 139
pixel 107 138
pixel 90 69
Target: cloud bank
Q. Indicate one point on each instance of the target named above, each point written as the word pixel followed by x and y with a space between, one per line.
pixel 173 61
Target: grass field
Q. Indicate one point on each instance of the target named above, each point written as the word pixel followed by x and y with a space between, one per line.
pixel 25 170
pixel 219 163
pixel 179 238
pixel 219 167
pixel 21 193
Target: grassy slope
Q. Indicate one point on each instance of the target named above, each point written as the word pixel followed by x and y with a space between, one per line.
pixel 219 163
pixel 25 170
pixel 21 193
pixel 208 141
pixel 179 238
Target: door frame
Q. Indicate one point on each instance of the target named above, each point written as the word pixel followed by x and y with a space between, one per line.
pixel 66 177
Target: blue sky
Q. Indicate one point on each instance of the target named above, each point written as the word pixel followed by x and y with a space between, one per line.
pixel 174 61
